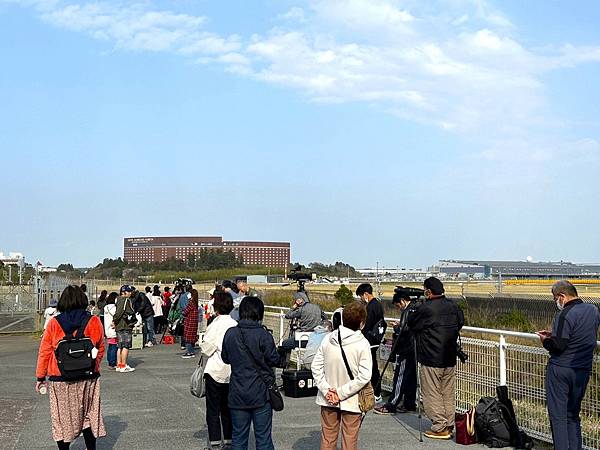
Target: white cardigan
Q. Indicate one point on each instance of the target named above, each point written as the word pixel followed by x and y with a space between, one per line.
pixel 109 329
pixel 212 346
pixel 329 370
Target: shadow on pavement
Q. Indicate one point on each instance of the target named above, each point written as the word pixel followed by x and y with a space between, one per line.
pixel 310 442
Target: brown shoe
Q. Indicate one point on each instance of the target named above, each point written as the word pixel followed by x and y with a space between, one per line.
pixel 445 434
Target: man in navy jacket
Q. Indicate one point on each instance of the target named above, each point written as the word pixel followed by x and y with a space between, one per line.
pixel 571 344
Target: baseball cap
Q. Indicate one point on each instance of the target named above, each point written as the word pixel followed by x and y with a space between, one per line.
pixel 126 288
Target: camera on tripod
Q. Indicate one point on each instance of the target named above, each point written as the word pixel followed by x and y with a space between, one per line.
pixel 402 292
pixel 300 277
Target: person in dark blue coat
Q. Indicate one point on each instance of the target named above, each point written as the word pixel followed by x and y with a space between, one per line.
pixel 246 347
pixel 571 345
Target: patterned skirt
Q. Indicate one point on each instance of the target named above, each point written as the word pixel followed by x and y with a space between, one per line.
pixel 75 406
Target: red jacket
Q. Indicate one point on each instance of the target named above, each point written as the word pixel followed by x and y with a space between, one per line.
pixel 46 363
pixel 190 323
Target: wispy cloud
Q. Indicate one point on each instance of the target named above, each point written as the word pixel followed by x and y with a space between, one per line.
pixel 453 64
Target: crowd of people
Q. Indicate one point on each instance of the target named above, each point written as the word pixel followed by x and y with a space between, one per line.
pixel 241 356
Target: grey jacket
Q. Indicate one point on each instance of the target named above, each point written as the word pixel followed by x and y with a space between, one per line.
pixel 309 316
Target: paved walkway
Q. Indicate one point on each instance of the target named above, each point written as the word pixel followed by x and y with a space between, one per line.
pixel 151 408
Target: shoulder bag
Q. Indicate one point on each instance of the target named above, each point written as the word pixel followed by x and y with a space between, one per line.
pixel 366 395
pixel 275 397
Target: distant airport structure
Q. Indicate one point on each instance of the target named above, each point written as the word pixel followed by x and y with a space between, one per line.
pixel 159 249
pixel 516 269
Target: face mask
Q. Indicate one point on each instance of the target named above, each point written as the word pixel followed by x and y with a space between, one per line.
pixel 559 306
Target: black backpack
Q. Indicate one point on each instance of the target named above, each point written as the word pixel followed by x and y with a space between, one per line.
pixel 74 355
pixel 376 335
pixel 491 423
pixel 519 439
pixel 129 313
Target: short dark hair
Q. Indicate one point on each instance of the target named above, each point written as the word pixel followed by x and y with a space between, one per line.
pixel 564 287
pixel 364 288
pixel 112 298
pixel 83 288
pixel 434 285
pixel 252 308
pixel 223 303
pixel 397 298
pixel 354 315
pixel 72 298
pixel 92 303
pixel 167 288
pixel 148 289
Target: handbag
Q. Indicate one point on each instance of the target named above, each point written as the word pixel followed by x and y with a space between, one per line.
pixel 366 395
pixel 465 427
pixel 275 397
pixel 197 384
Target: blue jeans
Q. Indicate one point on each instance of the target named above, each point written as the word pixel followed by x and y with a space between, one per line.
pixel 565 388
pixel 149 330
pixel 261 419
pixel 189 348
pixel 111 355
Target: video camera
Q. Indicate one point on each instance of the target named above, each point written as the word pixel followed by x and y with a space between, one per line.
pixel 402 292
pixel 300 277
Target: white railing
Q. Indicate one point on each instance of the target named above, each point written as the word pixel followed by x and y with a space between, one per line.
pixel 504 360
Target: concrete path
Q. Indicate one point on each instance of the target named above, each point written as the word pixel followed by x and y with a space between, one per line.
pixel 152 408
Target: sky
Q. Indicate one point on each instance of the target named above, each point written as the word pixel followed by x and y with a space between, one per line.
pixel 363 131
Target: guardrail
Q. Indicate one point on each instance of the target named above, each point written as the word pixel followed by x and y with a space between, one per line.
pixel 500 362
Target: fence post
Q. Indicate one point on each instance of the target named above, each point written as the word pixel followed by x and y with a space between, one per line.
pixel 502 360
pixel 280 328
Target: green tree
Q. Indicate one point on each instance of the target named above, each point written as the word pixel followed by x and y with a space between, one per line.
pixel 344 295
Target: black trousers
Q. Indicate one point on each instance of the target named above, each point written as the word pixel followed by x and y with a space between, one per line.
pixel 217 411
pixel 375 375
pixel 404 384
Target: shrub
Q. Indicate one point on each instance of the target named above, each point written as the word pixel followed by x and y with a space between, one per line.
pixel 344 295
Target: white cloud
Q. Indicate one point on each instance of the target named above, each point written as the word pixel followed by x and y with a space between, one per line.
pixel 454 64
pixel 293 14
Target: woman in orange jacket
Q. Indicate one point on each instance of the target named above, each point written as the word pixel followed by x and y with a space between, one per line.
pixel 74 405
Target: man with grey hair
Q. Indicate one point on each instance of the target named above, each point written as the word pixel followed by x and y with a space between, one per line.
pixel 307 315
pixel 571 344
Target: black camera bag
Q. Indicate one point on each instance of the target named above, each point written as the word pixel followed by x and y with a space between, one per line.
pixel 492 424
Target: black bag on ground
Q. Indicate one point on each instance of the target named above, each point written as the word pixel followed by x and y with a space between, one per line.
pixel 74 355
pixel 491 425
pixel 519 439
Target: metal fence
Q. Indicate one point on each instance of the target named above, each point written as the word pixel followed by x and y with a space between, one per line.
pixel 501 358
pixel 22 306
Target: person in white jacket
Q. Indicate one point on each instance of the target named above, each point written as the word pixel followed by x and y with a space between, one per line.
pixel 217 373
pixel 109 330
pixel 338 394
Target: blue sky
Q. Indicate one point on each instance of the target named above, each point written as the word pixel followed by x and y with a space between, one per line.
pixel 359 130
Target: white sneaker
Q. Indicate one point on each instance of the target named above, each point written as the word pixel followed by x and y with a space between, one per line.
pixel 125 369
pixel 378 399
pixel 149 344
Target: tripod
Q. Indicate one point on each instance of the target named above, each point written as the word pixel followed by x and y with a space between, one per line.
pixel 393 351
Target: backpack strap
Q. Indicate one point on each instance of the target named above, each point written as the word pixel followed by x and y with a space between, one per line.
pixel 344 356
pixel 81 329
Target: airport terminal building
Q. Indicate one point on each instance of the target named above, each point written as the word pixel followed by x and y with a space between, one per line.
pixel 158 249
pixel 518 269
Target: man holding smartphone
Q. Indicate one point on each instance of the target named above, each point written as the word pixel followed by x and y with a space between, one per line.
pixel 571 344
